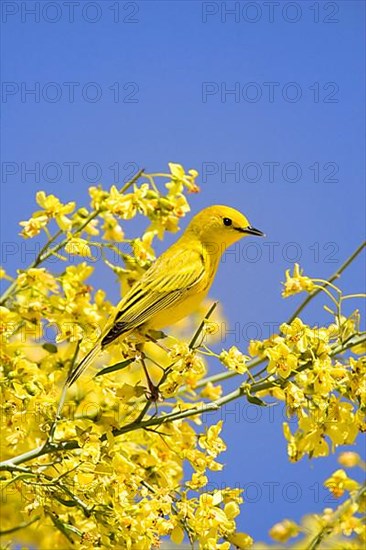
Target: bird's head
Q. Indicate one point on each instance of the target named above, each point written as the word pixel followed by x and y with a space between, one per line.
pixel 221 225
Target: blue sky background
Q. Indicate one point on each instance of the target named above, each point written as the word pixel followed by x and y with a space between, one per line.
pixel 165 56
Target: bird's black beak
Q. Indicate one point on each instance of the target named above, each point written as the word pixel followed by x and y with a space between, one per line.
pixel 252 231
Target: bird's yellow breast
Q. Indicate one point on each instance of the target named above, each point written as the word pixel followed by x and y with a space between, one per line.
pixel 192 298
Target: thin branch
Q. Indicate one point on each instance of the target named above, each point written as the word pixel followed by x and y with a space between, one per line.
pixel 239 392
pixel 46 252
pixel 20 526
pixel 132 180
pixel 50 447
pixel 335 276
pixel 36 262
pixel 228 374
pixel 38 259
pixel 10 467
pixel 177 415
pixel 337 514
pixel 38 452
pixel 202 324
pixel 255 362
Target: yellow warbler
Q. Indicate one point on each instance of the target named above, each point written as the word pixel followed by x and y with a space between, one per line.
pixel 177 282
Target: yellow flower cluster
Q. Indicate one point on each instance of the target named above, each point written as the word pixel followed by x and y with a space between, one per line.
pixel 284 530
pixel 298 344
pixel 234 360
pixel 297 282
pixel 339 482
pixel 52 208
pixel 187 368
pixel 113 472
pixel 108 207
pixel 163 211
pixel 106 490
pixel 326 395
pixel 341 528
pixel 122 491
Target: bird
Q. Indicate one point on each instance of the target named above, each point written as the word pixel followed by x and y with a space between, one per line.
pixel 176 283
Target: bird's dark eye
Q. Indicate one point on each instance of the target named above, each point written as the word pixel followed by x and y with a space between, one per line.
pixel 227 221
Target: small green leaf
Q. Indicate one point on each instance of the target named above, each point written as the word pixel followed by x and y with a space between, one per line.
pixel 69 503
pixel 51 348
pixel 117 366
pixel 255 400
pixel 157 334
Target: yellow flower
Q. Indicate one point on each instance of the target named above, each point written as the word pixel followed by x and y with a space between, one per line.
pixel 241 541
pixel 197 481
pixel 296 333
pixel 297 282
pixel 127 205
pixel 4 275
pixel 339 482
pixel 349 459
pixel 177 535
pixel 281 360
pixel 38 278
pixel 9 320
pixel 75 275
pixel 55 209
pixel 284 530
pixel 187 368
pixel 98 197
pixel 52 209
pixel 341 424
pixel 33 226
pixel 143 250
pixel 112 230
pixel 295 398
pixel 211 392
pixel 79 247
pixel 323 380
pixel 178 208
pixel 231 510
pixel 180 179
pixel 211 441
pixel 234 360
pixel 256 348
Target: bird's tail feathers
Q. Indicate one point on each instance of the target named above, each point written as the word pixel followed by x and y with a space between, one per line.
pixel 83 365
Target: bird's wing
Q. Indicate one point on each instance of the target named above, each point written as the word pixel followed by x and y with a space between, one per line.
pixel 162 286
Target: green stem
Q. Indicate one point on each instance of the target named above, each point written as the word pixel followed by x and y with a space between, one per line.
pixel 44 248
pixel 199 330
pixel 20 526
pixel 335 276
pixel 46 252
pixel 337 514
pixel 178 415
pixel 255 362
pixel 42 450
pixel 349 296
pixel 228 374
pixel 36 262
pixel 132 181
pixel 239 392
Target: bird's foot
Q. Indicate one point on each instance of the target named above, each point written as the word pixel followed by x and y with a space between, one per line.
pixel 153 394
